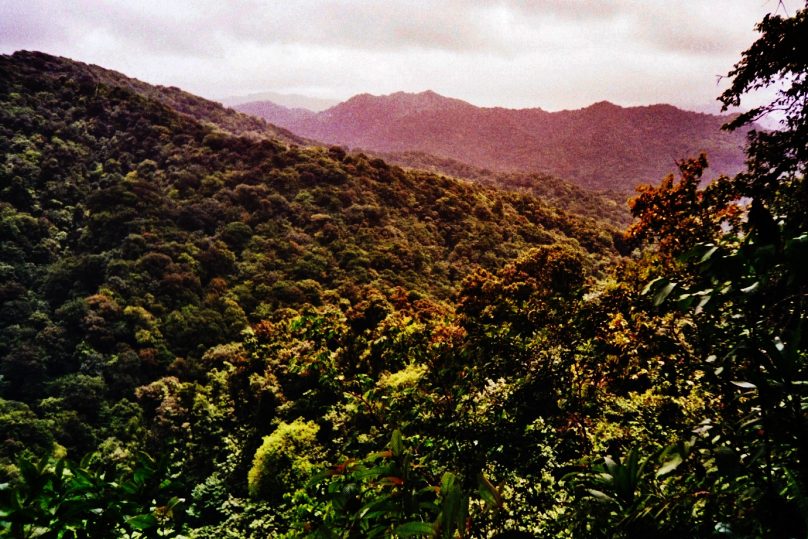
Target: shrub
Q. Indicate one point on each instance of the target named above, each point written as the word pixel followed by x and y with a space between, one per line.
pixel 285 459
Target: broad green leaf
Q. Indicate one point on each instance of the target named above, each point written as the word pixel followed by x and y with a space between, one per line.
pixel 453 504
pixel 670 465
pixel 396 444
pixel 489 493
pixel 142 522
pixel 611 465
pixel 650 286
pixel 375 471
pixel 702 302
pixel 601 496
pixel 663 293
pixel 447 482
pixel 707 255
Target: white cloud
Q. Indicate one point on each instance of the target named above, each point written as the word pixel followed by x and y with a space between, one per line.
pixel 549 53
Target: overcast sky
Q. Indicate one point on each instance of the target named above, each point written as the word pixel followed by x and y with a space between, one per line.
pixel 553 54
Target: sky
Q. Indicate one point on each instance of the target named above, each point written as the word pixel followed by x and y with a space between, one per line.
pixel 553 54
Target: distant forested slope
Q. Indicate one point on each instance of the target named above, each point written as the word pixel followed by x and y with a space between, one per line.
pixel 606 206
pixel 603 146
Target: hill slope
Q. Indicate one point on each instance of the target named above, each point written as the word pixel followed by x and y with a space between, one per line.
pixel 602 146
pixel 90 76
pixel 605 206
pixel 135 238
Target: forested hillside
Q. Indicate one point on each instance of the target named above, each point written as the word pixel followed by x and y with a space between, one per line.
pixel 209 331
pixel 603 146
pixel 602 205
pixel 139 243
pixel 186 104
pixel 608 206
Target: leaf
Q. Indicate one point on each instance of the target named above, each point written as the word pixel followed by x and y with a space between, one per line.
pixel 58 471
pixel 375 471
pixel 489 493
pixel 650 286
pixel 707 255
pixel 142 522
pixel 601 496
pixel 392 480
pixel 410 529
pixel 379 455
pixel 454 505
pixel 28 471
pixel 663 293
pixel 670 465
pixel 753 422
pixel 610 464
pixel 702 302
pixel 447 482
pixel 685 301
pixel 751 288
pixel 701 251
pixel 396 444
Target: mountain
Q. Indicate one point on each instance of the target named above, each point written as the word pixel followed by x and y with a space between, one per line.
pixel 88 76
pixel 293 101
pixel 143 230
pixel 603 146
pixel 268 109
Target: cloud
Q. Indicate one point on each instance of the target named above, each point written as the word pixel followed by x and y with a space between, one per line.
pixel 549 53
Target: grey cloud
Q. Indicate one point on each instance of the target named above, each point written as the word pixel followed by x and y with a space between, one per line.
pixel 715 28
pixel 174 30
pixel 23 23
pixel 393 25
pixel 549 53
pixel 127 24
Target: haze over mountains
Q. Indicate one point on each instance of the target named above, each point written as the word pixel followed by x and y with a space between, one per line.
pixel 291 101
pixel 603 146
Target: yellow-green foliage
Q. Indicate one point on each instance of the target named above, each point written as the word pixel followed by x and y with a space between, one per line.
pixel 284 460
pixel 406 378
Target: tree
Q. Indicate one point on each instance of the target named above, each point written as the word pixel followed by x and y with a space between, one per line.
pixel 746 290
pixel 777 159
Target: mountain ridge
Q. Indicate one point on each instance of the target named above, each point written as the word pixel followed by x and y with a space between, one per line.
pixel 601 146
pixel 193 106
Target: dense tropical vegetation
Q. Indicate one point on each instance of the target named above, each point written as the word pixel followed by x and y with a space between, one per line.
pixel 208 329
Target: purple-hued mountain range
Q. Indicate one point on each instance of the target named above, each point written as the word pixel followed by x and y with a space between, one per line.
pixel 603 146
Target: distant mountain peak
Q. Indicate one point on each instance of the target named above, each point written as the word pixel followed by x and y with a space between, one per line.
pixel 603 106
pixel 427 94
pixel 603 145
pixel 289 101
pixel 402 103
